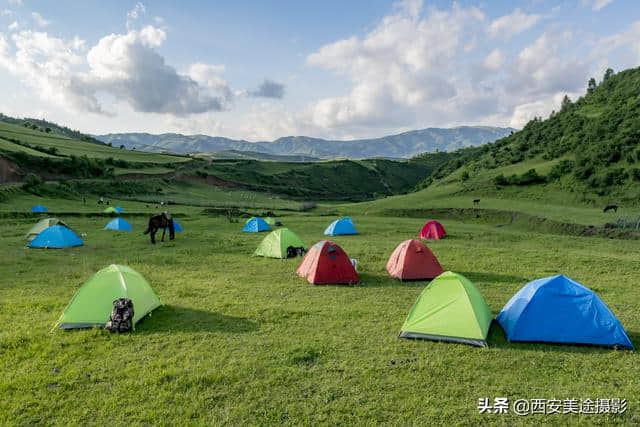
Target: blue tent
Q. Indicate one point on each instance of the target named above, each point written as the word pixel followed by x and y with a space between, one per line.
pixel 118 224
pixel 38 209
pixel 560 310
pixel 56 237
pixel 177 227
pixel 341 226
pixel 256 225
pixel 118 209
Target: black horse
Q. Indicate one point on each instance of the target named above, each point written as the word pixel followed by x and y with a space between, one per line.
pixel 162 221
pixel 610 208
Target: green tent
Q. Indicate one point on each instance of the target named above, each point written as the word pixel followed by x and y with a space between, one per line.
pixel 110 209
pixel 91 305
pixel 451 309
pixel 270 220
pixel 41 226
pixel 275 244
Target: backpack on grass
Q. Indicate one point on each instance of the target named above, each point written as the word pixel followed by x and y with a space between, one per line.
pixel 293 252
pixel 121 319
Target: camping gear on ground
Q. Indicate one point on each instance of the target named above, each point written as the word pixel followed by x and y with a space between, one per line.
pixel 42 225
pixel 256 225
pixel 277 243
pixel 449 309
pixel 270 220
pixel 39 209
pixel 327 263
pixel 412 260
pixel 341 227
pixel 92 304
pixel 558 309
pixel 121 319
pixel 110 210
pixel 432 230
pixel 56 237
pixel 118 224
pixel 293 252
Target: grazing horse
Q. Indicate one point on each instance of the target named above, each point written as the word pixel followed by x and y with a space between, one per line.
pixel 162 221
pixel 476 202
pixel 610 208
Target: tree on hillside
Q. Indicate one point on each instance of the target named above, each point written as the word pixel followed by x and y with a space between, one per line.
pixel 591 86
pixel 122 147
pixel 566 102
pixel 607 74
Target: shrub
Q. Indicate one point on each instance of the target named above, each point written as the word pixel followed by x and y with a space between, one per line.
pixel 561 168
pixel 465 176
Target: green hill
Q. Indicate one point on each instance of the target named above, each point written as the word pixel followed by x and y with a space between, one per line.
pixel 588 152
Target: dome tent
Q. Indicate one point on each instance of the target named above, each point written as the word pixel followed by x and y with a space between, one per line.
pixel 255 225
pixel 432 230
pixel 110 210
pixel 39 209
pixel 42 225
pixel 449 309
pixel 412 260
pixel 177 227
pixel 92 304
pixel 275 244
pixel 326 263
pixel 341 227
pixel 56 237
pixel 558 309
pixel 118 224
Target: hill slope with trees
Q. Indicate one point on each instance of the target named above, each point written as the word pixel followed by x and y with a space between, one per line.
pixel 589 146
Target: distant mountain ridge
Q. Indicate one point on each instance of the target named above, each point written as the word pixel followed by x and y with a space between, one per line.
pixel 404 145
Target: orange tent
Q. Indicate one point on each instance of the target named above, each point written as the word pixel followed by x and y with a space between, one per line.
pixel 327 263
pixel 432 230
pixel 412 260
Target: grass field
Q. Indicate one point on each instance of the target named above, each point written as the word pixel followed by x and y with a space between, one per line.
pixel 242 340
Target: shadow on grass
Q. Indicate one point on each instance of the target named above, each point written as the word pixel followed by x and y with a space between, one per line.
pixel 493 277
pixel 498 339
pixel 175 318
pixel 384 281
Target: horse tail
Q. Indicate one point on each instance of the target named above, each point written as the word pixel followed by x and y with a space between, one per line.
pixel 148 230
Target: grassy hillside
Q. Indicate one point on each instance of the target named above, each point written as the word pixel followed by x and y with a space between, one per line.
pixel 591 146
pixel 14 138
pixel 331 180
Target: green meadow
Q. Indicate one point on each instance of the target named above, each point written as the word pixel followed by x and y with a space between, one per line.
pixel 242 340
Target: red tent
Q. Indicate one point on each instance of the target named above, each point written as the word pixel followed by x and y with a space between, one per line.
pixel 432 230
pixel 327 263
pixel 412 260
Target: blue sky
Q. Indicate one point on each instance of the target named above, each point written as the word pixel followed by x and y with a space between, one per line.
pixel 260 70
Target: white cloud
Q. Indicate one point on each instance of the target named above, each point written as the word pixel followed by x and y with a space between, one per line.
pixel 124 66
pixel 39 20
pixel 508 26
pixel 597 5
pixel 494 60
pixel 15 2
pixel 400 66
pixel 13 26
pixel 6 12
pixel 138 10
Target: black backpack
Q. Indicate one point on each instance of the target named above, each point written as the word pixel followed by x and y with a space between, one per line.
pixel 121 319
pixel 294 252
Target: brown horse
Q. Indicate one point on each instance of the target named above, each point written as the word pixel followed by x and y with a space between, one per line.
pixel 162 221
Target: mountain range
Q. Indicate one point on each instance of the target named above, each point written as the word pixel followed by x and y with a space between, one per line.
pixel 404 145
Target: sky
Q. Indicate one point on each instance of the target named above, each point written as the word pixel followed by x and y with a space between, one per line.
pixel 257 70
